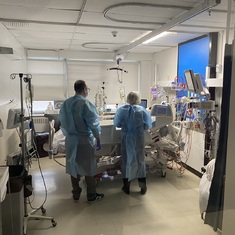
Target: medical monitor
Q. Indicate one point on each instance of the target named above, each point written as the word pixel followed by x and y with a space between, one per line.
pixel 198 82
pixel 189 77
pixel 163 115
pixel 161 110
pixel 144 103
pixel 13 119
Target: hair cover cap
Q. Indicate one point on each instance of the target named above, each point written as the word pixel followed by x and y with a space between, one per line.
pixel 133 98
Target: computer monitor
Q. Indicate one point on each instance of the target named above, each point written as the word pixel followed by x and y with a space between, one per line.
pixel 144 103
pixel 189 76
pixel 198 82
pixel 193 80
pixel 13 119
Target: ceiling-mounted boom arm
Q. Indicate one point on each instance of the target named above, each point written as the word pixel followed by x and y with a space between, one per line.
pixel 207 4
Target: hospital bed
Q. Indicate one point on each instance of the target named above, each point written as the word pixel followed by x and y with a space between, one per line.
pixel 162 142
pixel 109 156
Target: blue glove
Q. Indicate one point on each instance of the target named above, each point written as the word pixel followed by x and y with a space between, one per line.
pixel 98 145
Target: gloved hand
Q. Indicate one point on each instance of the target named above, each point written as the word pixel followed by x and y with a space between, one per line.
pixel 98 145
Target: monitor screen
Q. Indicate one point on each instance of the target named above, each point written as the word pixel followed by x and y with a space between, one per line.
pixel 189 76
pixel 159 110
pixel 162 111
pixel 198 82
pixel 144 103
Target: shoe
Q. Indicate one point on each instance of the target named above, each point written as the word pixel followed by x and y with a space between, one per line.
pixel 76 195
pixel 76 198
pixel 143 191
pixel 126 190
pixel 97 198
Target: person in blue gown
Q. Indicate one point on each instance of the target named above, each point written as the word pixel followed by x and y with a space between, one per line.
pixel 133 120
pixel 81 127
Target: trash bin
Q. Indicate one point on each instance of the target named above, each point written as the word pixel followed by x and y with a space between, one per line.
pixel 13 205
pixel 16 178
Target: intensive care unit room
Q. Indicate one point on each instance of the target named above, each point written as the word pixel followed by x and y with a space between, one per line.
pixel 176 58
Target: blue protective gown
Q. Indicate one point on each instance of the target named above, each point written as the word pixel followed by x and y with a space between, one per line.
pixel 80 125
pixel 134 120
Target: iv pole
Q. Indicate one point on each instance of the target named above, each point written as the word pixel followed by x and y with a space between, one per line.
pixel 28 216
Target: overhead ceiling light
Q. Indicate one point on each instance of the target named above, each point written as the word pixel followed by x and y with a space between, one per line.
pixel 157 36
pixel 142 35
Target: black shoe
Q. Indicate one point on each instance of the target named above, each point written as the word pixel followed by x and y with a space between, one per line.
pixel 143 191
pixel 97 198
pixel 76 195
pixel 126 190
pixel 76 198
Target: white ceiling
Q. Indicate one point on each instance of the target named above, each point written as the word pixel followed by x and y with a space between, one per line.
pixel 87 25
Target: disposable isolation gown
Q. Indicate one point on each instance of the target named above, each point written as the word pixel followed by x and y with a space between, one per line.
pixel 134 120
pixel 80 125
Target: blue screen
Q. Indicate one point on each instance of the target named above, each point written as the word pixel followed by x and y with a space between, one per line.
pixel 193 55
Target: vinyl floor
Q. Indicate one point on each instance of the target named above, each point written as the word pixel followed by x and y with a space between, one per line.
pixel 169 207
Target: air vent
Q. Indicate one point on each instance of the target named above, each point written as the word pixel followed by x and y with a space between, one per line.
pixel 6 50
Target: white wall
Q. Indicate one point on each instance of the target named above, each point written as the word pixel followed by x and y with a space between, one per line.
pixel 9 90
pixel 97 74
pixel 166 65
pixel 165 71
pixel 146 79
pixel 52 80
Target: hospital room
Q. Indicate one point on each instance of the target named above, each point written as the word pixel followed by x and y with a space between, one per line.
pixel 116 117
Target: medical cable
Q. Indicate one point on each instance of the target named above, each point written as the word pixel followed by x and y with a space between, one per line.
pixel 58 162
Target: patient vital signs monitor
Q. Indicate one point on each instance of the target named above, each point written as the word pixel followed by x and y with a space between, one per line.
pixel 163 115
pixel 193 80
pixel 144 103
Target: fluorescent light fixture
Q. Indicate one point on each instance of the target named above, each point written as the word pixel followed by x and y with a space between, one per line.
pixel 157 36
pixel 144 34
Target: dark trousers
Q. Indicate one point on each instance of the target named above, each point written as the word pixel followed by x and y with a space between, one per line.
pixel 141 182
pixel 90 183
